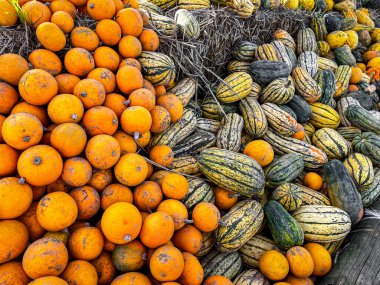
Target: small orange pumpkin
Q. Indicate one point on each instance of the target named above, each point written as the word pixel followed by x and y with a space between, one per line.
pixel 188 239
pixel 104 267
pixel 169 268
pixel 116 193
pixel 51 36
pixel 68 139
pixel 100 120
pixel 147 196
pixel 127 143
pixel 158 222
pixel 13 273
pixel 109 32
pixel 83 37
pixel 176 209
pixel 105 77
pixel 91 92
pixel 40 165
pixel 80 272
pixel 300 261
pixel 102 151
pixel 100 179
pixel 116 102
pixel 63 20
pixel 46 60
pixel 160 119
pixel 50 214
pixel 14 239
pixel 86 243
pixel 45 257
pixel 175 186
pixel 162 154
pixel 172 104
pixel 8 98
pixel 79 62
pixel 130 21
pixel 87 200
pixel 8 160
pixel 29 219
pixel 206 216
pixel 66 83
pixel 274 265
pixel 192 272
pixel 106 57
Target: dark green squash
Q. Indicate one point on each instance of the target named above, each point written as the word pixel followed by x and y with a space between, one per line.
pixel 368 144
pixel 265 71
pixel 342 190
pixel 344 56
pixel 285 230
pixel 301 108
pixel 326 81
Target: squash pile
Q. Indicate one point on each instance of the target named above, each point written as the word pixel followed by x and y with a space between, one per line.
pixel 112 172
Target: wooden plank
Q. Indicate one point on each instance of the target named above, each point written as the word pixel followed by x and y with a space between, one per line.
pixel 358 262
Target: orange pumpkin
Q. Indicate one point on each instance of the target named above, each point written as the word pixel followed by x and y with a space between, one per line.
pixel 300 261
pixel 129 257
pixel 160 90
pixel 131 62
pixel 192 272
pixel 147 196
pixel 116 102
pixel 159 176
pixel 8 14
pixel 13 273
pixel 127 143
pixel 63 5
pixel 109 32
pixel 100 120
pixel 298 281
pixel 56 211
pixel 37 87
pixel 313 180
pixel 149 40
pixel 321 257
pixel 105 77
pixel 66 83
pixel 218 280
pixel 8 160
pixel 300 132
pixel 169 268
pixel 102 151
pixel 121 222
pixel 36 13
pixel 106 57
pixel 158 222
pixel 100 179
pixel 143 139
pixel 130 46
pixel 38 111
pixel 131 169
pixel 206 216
pixel 63 236
pixel 115 193
pixel 172 104
pixel 40 165
pixel 176 210
pixel 130 21
pixel 224 199
pixel 261 151
pixel 86 243
pixel 45 257
pixel 142 97
pixel 8 98
pixel 136 120
pixel 356 75
pixel 274 265
pixel 79 62
pixel 188 239
pixel 160 119
pixel 80 272
pixel 149 86
pixel 87 200
pixel 68 139
pixel 16 197
pixel 48 280
pixel 46 60
pixel 51 36
pixel 129 78
pixel 131 278
pixel 104 267
pixel 101 9
pixel 175 186
pixel 14 239
pixel 29 219
pixel 162 155
pixel 13 67
pixel 83 37
pixel 91 92
pixel 63 20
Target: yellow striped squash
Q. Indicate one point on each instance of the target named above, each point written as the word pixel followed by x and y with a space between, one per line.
pixel 331 142
pixel 324 116
pixel 229 134
pixel 266 52
pixel 164 4
pixel 280 91
pixel 186 165
pixel 194 4
pixel 323 48
pixel 255 121
pixel 360 168
pixel 187 23
pixel 323 223
pixel 164 24
pixel 342 79
pixel 185 90
pixel 238 65
pixel 239 225
pixel 281 121
pixel 234 87
pixel 327 64
pixel 305 85
pixel 157 67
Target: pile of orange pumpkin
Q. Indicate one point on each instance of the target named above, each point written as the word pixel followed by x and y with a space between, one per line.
pixel 79 205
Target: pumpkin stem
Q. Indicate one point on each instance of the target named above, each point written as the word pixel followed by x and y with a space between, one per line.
pixel 233 195
pixel 74 117
pixel 127 238
pixel 136 136
pixel 187 221
pixel 21 181
pixel 27 139
pixel 45 129
pixel 37 160
pixel 126 102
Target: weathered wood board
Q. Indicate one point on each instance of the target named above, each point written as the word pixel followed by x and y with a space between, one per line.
pixel 358 263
